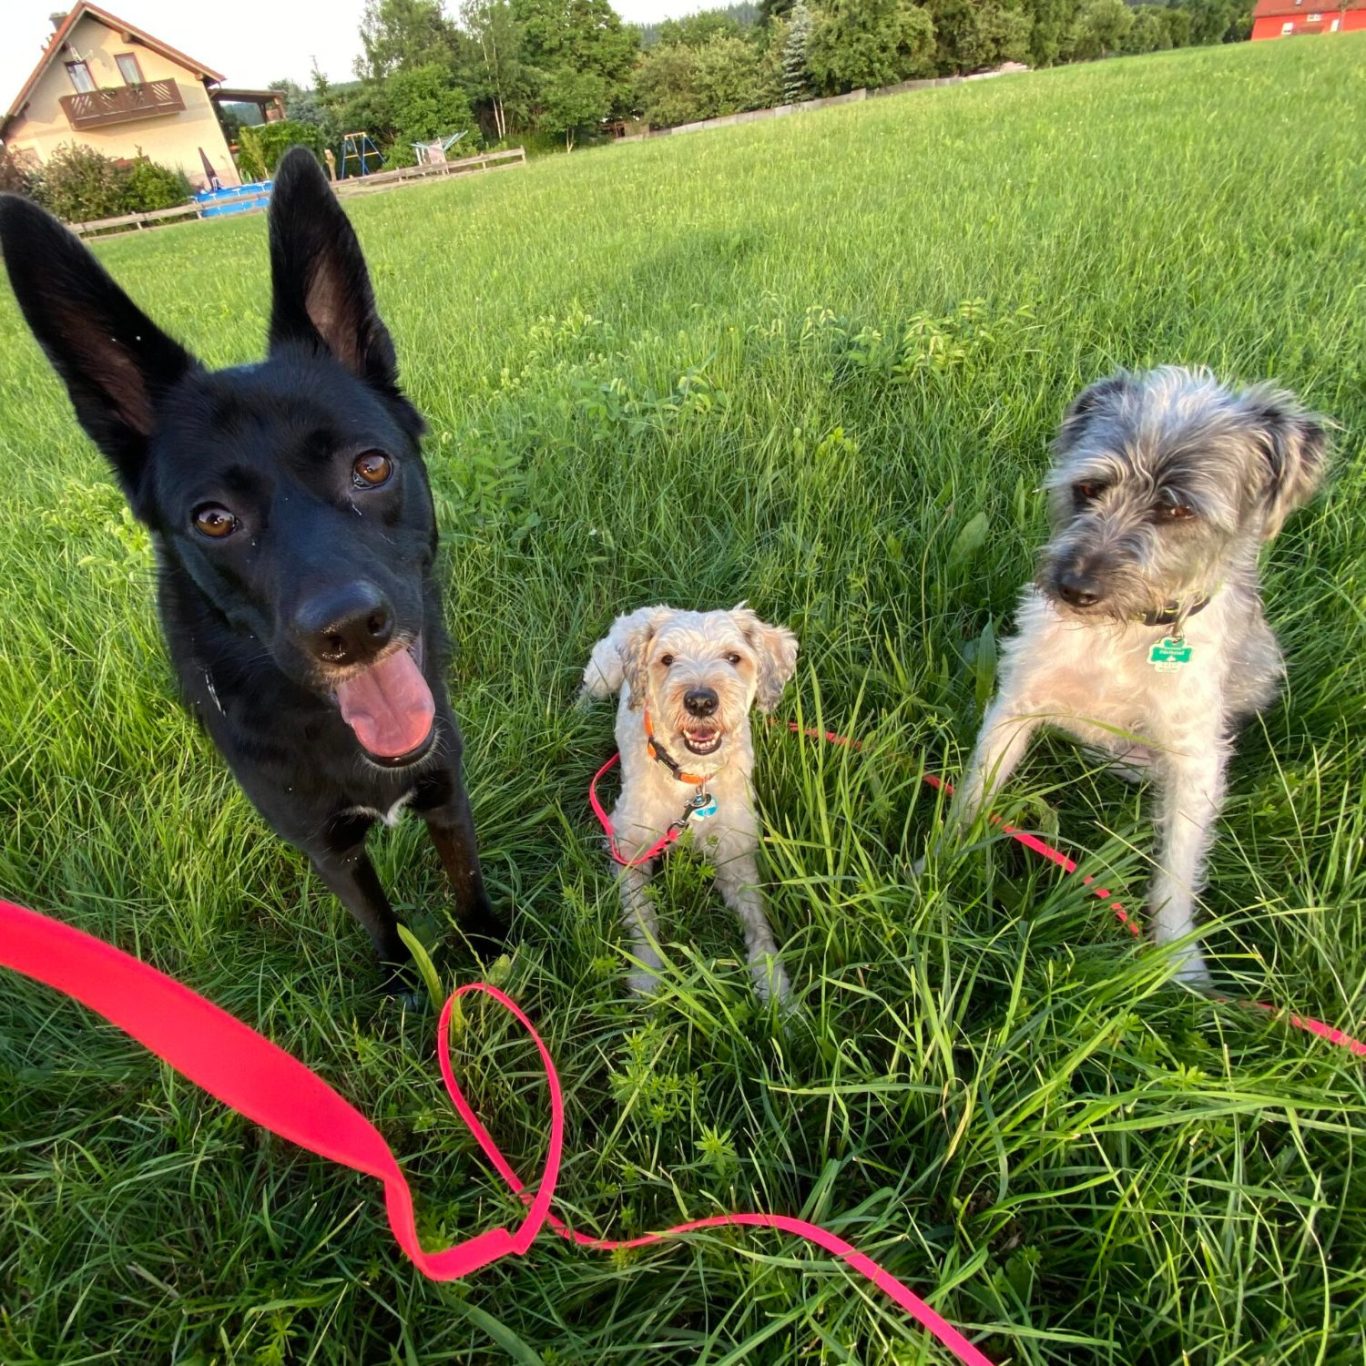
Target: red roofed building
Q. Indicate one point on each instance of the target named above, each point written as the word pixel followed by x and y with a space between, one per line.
pixel 1290 18
pixel 105 83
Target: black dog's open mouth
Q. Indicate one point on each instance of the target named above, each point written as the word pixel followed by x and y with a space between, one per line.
pixel 390 707
pixel 703 740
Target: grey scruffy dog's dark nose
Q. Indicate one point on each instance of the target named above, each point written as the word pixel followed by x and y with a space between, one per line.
pixel 1078 588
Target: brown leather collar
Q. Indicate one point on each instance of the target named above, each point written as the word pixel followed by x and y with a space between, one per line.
pixel 1173 613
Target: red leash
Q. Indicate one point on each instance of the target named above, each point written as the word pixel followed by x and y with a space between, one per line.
pixel 669 837
pixel 256 1078
pixel 1033 843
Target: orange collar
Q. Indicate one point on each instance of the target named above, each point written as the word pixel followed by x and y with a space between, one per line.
pixel 657 751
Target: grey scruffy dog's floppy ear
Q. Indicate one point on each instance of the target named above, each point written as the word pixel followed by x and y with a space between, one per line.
pixel 1295 448
pixel 1101 397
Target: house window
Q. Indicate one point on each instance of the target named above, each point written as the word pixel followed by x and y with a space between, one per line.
pixel 1316 18
pixel 1287 27
pixel 1333 27
pixel 80 76
pixel 129 69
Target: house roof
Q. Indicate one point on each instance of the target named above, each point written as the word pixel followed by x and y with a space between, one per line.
pixel 1274 9
pixel 125 30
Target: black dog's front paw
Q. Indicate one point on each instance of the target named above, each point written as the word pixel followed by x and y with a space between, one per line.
pixel 402 982
pixel 485 931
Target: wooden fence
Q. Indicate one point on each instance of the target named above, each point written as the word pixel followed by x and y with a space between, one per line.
pixel 381 180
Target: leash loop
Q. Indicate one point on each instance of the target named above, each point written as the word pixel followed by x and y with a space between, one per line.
pixel 258 1079
pixel 670 836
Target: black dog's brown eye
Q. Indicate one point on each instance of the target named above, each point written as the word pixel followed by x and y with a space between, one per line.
pixel 213 520
pixel 371 470
pixel 1088 493
pixel 1174 512
pixel 667 661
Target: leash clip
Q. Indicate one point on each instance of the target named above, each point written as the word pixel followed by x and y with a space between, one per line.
pixel 701 805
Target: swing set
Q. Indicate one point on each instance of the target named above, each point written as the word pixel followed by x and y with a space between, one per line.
pixel 359 148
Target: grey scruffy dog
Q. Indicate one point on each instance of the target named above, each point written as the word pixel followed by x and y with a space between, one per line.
pixel 1143 633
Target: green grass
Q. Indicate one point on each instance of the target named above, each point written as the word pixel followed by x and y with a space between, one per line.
pixel 813 363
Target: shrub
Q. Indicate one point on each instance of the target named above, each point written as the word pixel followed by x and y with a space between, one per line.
pixel 426 104
pixel 148 186
pixel 79 184
pixel 677 84
pixel 260 147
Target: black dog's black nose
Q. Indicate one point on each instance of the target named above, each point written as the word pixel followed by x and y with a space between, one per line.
pixel 1079 588
pixel 700 701
pixel 348 625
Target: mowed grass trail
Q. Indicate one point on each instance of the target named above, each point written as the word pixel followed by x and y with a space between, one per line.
pixel 812 363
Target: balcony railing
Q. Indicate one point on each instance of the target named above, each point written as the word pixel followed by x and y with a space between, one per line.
pixel 122 104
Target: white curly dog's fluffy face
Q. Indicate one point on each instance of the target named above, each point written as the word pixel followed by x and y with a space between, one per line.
pixel 698 652
pixel 696 676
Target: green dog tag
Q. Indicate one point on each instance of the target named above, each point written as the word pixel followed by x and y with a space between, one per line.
pixel 1168 655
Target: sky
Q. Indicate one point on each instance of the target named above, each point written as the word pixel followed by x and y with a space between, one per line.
pixel 252 42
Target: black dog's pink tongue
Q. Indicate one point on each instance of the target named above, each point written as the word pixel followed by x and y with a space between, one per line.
pixel 389 706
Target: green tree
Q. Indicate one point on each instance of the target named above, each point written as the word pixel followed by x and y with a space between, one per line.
pixel 365 109
pixel 578 54
pixel 572 100
pixel 1100 29
pixel 396 34
pixel 971 35
pixel 1178 23
pixel 1051 36
pixel 796 47
pixel 424 103
pixel 1149 32
pixel 728 78
pixel 695 29
pixel 148 186
pixel 870 43
pixel 666 85
pixel 79 184
pixel 679 83
pixel 307 106
pixel 497 38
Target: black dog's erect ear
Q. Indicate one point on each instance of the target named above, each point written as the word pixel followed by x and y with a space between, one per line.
pixel 1099 397
pixel 322 293
pixel 115 361
pixel 1295 446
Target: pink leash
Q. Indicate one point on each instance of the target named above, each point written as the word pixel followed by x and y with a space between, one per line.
pixel 253 1076
pixel 669 837
pixel 256 1078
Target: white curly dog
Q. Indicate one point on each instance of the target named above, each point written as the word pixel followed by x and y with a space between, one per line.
pixel 687 682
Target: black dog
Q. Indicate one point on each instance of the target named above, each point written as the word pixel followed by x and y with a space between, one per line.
pixel 295 539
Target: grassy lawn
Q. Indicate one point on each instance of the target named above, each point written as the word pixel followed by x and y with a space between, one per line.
pixel 813 363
